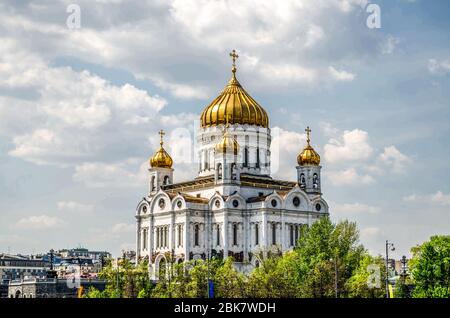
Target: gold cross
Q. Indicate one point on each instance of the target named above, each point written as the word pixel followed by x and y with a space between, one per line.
pixel 308 131
pixel 161 133
pixel 234 56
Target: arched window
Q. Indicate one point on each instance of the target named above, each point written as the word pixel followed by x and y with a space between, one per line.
pixel 180 235
pixel 157 237
pixel 257 158
pixel 291 235
pixel 162 269
pixel 233 171
pixel 144 239
pixel 196 234
pixel 256 234
pixel 166 180
pixel 274 233
pixel 218 235
pixel 153 183
pixel 235 232
pixel 302 180
pixel 219 171
pixel 246 157
pixel 315 181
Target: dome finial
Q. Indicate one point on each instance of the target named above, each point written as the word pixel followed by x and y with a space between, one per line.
pixel 234 56
pixel 308 156
pixel 161 134
pixel 161 159
pixel 308 134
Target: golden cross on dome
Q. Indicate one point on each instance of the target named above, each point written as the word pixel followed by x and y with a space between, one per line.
pixel 234 56
pixel 308 132
pixel 161 133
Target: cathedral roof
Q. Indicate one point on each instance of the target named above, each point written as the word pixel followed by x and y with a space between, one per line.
pixel 235 103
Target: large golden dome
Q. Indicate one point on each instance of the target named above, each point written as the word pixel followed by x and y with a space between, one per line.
pixel 236 104
pixel 161 159
pixel 308 156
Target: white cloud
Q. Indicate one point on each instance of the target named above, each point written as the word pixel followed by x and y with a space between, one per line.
pixel 356 208
pixel 100 174
pixel 341 75
pixel 285 147
pixel 39 222
pixel 120 228
pixel 371 232
pixel 72 206
pixel 393 158
pixel 348 177
pixel 439 199
pixel 353 146
pixel 438 67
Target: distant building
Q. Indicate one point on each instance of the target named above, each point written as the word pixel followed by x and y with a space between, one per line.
pixel 50 288
pixel 82 252
pixel 18 266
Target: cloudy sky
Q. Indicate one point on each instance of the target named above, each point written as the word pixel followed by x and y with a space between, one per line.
pixel 80 108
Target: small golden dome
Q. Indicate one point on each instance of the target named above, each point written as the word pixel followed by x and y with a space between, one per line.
pixel 228 144
pixel 235 102
pixel 161 159
pixel 308 156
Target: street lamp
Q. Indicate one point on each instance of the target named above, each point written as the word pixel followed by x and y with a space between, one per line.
pixel 335 276
pixel 389 246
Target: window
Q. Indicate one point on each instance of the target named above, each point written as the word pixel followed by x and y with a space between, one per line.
pixel 218 235
pixel 297 230
pixel 144 239
pixel 315 181
pixel 302 180
pixel 256 234
pixel 274 202
pixel 157 237
pixel 257 158
pixel 165 236
pixel 219 171
pixel 196 233
pixel 233 171
pixel 153 184
pixel 274 233
pixel 180 235
pixel 166 180
pixel 296 201
pixel 245 157
pixel 235 234
pixel 291 235
pixel 235 203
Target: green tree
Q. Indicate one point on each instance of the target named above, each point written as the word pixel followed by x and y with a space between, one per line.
pixel 326 251
pixel 228 282
pixel 430 268
pixel 368 280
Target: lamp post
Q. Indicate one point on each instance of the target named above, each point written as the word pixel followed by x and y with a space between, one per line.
pixel 389 246
pixel 335 276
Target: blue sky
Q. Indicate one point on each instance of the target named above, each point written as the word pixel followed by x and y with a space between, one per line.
pixel 80 108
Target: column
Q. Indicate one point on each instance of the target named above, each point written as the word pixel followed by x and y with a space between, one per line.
pixel 225 234
pixel 186 239
pixel 138 238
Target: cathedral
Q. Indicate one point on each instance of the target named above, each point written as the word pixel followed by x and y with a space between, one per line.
pixel 233 208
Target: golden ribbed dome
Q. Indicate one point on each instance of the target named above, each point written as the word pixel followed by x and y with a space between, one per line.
pixel 228 144
pixel 161 159
pixel 236 103
pixel 308 156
